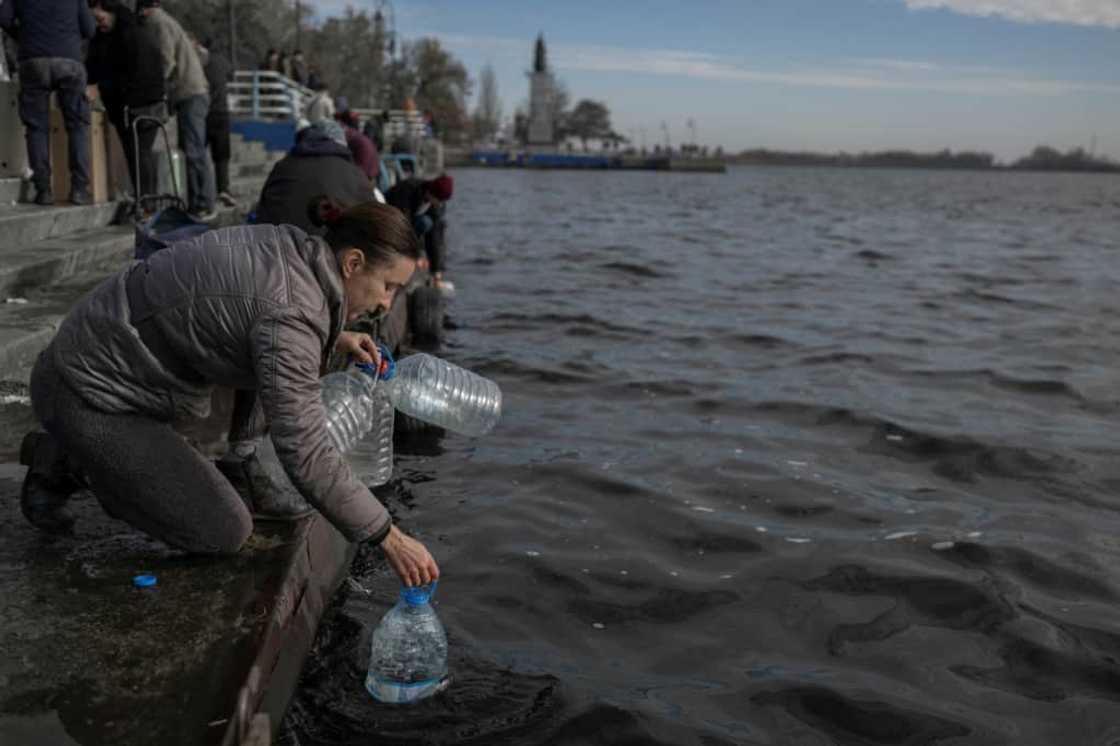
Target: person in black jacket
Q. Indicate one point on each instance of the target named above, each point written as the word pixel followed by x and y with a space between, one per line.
pixel 119 63
pixel 422 202
pixel 319 164
pixel 50 35
pixel 219 71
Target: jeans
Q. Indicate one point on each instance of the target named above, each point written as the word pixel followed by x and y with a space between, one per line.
pixel 217 137
pixel 192 139
pixel 38 77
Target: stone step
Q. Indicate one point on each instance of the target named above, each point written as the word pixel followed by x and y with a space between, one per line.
pixel 54 259
pixel 249 151
pixel 27 270
pixel 246 190
pixel 250 170
pixel 9 191
pixel 24 331
pixel 21 225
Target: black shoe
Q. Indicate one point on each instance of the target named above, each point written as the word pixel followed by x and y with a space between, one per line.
pixel 47 486
pixel 44 505
pixel 81 197
pixel 255 472
pixel 43 197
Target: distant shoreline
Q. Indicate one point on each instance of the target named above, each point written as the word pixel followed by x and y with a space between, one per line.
pixel 983 169
pixel 1042 159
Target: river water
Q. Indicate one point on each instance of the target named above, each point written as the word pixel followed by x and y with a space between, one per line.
pixel 788 457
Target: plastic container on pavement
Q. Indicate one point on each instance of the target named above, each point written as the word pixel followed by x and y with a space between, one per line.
pixel 408 652
pixel 441 393
pixel 360 419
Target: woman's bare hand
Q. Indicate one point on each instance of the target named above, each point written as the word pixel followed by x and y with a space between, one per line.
pixel 360 346
pixel 409 558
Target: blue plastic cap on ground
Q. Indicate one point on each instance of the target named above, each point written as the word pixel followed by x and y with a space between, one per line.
pixel 144 581
pixel 418 595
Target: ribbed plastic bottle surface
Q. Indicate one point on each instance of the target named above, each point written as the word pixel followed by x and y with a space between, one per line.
pixel 443 394
pixel 372 457
pixel 357 408
pixel 408 652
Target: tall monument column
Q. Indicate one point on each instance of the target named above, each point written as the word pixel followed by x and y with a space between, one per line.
pixel 542 90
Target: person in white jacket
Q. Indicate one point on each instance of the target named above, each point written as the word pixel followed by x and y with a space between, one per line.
pixel 321 105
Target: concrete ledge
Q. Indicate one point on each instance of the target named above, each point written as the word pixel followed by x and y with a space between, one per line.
pixel 9 191
pixel 24 224
pixel 19 345
pixel 88 658
pixel 58 258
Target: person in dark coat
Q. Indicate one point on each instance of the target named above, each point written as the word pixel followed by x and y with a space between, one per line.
pixel 361 147
pixel 299 68
pixel 119 63
pixel 219 72
pixel 319 165
pixel 50 35
pixel 422 202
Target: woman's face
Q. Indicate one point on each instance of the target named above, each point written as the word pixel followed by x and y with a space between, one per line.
pixel 372 290
pixel 104 19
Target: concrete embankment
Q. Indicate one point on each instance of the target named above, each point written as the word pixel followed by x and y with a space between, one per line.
pixel 212 653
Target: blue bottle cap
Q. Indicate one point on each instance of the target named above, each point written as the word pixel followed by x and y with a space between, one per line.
pixel 388 365
pixel 388 368
pixel 144 581
pixel 419 595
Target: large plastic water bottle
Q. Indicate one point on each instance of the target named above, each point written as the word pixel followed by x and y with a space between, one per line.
pixel 356 408
pixel 408 654
pixel 443 394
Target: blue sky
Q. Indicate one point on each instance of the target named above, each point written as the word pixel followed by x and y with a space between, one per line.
pixel 994 75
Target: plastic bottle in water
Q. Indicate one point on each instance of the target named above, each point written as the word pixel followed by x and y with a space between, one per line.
pixel 408 654
pixel 443 394
pixel 356 408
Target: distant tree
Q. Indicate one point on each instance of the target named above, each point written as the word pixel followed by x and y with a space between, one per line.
pixel 347 51
pixel 590 119
pixel 441 86
pixel 488 112
pixel 349 55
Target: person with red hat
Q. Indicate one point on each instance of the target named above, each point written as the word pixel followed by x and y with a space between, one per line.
pixel 423 202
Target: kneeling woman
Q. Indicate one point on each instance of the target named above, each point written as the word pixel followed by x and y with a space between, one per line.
pixel 252 308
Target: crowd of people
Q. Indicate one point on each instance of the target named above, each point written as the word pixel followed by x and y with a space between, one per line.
pixel 117 72
pixel 260 309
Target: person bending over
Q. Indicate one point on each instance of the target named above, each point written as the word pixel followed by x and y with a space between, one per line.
pixel 423 202
pixel 248 307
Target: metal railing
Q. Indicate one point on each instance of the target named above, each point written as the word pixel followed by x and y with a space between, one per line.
pixel 268 95
pixel 264 94
pixel 399 123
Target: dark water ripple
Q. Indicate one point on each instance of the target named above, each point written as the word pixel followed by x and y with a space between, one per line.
pixel 789 457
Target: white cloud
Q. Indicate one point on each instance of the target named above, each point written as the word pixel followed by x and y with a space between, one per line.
pixel 1077 12
pixel 858 74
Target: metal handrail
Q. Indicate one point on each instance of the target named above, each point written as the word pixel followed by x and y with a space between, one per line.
pixel 267 94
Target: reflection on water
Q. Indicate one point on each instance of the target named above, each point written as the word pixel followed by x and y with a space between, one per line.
pixel 788 456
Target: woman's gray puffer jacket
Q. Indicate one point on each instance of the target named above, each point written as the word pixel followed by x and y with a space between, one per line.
pixel 249 307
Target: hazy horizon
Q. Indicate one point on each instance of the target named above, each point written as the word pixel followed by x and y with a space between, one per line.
pixel 1000 76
